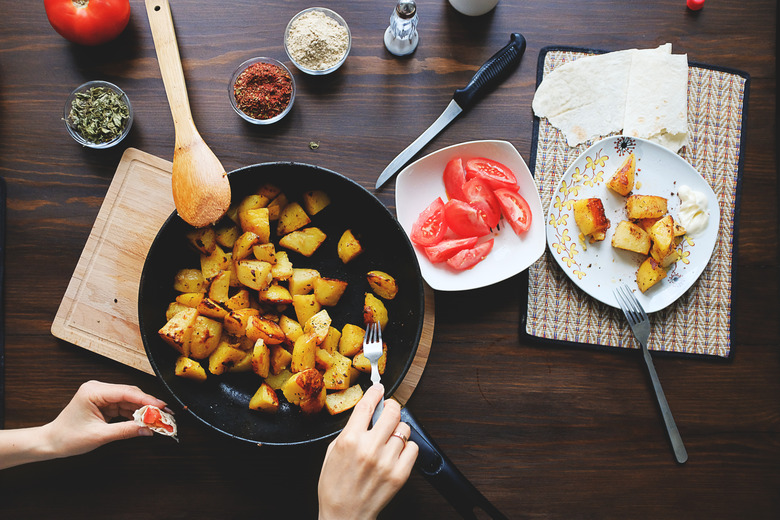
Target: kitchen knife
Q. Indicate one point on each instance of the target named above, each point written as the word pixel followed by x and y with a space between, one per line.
pixel 489 75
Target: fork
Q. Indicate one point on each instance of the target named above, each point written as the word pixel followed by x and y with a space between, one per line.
pixel 372 349
pixel 640 326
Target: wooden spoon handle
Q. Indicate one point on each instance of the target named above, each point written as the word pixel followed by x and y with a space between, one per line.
pixel 164 35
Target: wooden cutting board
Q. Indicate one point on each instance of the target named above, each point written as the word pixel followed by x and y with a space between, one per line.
pixel 99 311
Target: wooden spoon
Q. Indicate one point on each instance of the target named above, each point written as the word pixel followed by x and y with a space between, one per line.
pixel 201 190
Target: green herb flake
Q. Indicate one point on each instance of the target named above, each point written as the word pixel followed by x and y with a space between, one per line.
pixel 99 114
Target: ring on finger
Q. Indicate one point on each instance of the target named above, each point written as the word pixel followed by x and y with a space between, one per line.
pixel 401 436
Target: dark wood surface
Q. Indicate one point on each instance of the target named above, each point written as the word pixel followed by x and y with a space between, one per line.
pixel 543 432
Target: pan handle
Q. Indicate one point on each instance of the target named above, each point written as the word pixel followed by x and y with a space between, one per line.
pixel 445 477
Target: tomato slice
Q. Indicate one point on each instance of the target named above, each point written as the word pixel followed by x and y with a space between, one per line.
pixel 515 210
pixel 478 194
pixel 448 247
pixel 454 178
pixel 468 258
pixel 152 417
pixel 429 228
pixel 464 219
pixel 495 174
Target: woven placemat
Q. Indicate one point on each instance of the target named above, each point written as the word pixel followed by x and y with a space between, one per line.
pixel 699 323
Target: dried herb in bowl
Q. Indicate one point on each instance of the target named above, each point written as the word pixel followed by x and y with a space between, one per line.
pixel 99 114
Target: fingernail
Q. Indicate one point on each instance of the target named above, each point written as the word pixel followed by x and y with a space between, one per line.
pixel 145 432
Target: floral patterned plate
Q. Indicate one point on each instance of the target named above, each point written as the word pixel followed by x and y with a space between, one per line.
pixel 598 268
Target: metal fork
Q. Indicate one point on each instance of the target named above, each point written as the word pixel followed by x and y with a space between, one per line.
pixel 372 349
pixel 640 326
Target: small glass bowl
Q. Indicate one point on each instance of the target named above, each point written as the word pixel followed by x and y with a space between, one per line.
pixel 231 94
pixel 72 129
pixel 331 14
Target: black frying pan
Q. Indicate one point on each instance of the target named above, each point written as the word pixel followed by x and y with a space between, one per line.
pixel 221 403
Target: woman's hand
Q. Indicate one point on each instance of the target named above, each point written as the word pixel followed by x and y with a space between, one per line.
pixel 364 469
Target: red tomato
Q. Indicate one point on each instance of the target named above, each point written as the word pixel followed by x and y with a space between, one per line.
pixel 468 258
pixel 430 226
pixel 88 22
pixel 495 174
pixel 477 193
pixel 454 179
pixel 447 248
pixel 152 417
pixel 515 210
pixel 464 219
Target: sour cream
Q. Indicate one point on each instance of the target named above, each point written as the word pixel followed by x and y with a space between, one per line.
pixel 693 212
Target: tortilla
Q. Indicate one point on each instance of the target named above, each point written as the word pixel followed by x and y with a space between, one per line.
pixel 642 92
pixel 156 420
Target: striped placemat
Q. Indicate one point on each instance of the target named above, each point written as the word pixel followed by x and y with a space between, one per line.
pixel 699 323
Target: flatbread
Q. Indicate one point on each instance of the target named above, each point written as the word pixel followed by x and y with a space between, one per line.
pixel 642 92
pixel 164 423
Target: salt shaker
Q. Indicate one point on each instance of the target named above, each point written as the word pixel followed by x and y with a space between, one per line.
pixel 401 36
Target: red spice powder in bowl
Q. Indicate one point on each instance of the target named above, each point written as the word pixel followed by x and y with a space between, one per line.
pixel 262 90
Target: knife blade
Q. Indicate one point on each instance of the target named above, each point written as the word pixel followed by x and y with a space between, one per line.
pixel 489 75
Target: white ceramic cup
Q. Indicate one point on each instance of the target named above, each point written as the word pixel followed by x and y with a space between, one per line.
pixel 473 7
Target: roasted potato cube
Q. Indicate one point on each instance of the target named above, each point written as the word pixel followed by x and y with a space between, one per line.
pixel 174 308
pixel 303 386
pixel 240 300
pixel 303 354
pixel 211 265
pixel 204 239
pixel 341 401
pixel 645 206
pixel 276 381
pixel 348 247
pixel 631 237
pixel 261 359
pixel 283 268
pixel 304 241
pixel 622 181
pixel 315 201
pixel 337 376
pixel 382 284
pixel 269 191
pixel 328 291
pixel 244 245
pixel 223 358
pixel 264 400
pixel 318 325
pixel 189 368
pixel 253 201
pixel 236 321
pixel 305 306
pixel 242 365
pixel 178 330
pixel 291 328
pixel 662 235
pixel 264 252
pixel 220 287
pixel 254 274
pixel 351 341
pixel 276 294
pixel 276 205
pixel 227 234
pixel 190 281
pixel 212 309
pixel 265 329
pixel 331 342
pixel 302 280
pixel 361 362
pixel 291 218
pixel 256 221
pixel 649 274
pixel 374 311
pixel 189 299
pixel 315 404
pixel 205 337
pixel 646 223
pixel 280 359
pixel 590 218
pixel 323 359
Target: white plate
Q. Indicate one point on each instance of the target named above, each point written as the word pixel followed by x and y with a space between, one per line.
pixel 598 268
pixel 421 182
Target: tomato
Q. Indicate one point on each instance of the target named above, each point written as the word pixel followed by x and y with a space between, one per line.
pixel 88 22
pixel 515 210
pixel 464 219
pixel 447 248
pixel 468 258
pixel 454 179
pixel 477 193
pixel 495 174
pixel 429 228
pixel 152 417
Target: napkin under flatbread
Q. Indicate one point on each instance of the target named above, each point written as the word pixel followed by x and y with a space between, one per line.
pixel 642 92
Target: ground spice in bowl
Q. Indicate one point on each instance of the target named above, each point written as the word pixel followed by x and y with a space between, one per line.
pixel 317 40
pixel 262 90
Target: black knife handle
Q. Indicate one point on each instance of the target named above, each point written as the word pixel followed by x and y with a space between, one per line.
pixel 493 72
pixel 445 477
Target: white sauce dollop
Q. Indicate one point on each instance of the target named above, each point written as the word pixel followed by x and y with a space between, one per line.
pixel 693 213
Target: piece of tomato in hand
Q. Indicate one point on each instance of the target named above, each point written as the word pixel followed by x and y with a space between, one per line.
pixel 464 219
pixel 448 247
pixel 468 258
pixel 515 210
pixel 429 228
pixel 477 193
pixel 454 178
pixel 495 174
pixel 152 417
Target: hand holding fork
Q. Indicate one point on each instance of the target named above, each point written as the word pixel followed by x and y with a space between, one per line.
pixel 372 349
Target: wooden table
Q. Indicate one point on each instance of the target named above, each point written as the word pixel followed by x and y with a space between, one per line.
pixel 543 432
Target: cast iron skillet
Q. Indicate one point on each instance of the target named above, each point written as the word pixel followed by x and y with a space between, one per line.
pixel 221 403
